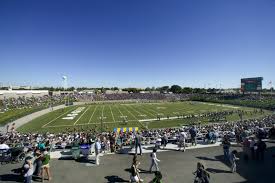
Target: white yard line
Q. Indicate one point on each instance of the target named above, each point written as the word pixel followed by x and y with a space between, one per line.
pixel 92 115
pixel 58 117
pixel 130 113
pixel 135 110
pixel 82 115
pixel 112 113
pixel 82 124
pixel 152 110
pixel 154 115
pixel 135 118
pixel 119 110
pixel 102 111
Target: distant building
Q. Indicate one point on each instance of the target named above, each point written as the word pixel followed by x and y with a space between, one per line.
pixel 155 92
pixel 87 92
pixel 22 93
pixel 115 92
pixel 62 92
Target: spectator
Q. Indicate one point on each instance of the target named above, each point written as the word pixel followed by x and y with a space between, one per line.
pixel 246 148
pixel 182 138
pixel 233 160
pixel 38 156
pixel 193 133
pixel 226 147
pixel 154 160
pixel 97 151
pixel 164 140
pixel 272 132
pixel 28 170
pixel 252 145
pixel 4 146
pixel 138 143
pixel 41 146
pixel 46 165
pixel 261 147
pixel 134 171
pixel 202 176
pixel 157 178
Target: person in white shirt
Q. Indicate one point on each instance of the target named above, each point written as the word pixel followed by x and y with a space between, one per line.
pixel 4 146
pixel 97 151
pixel 182 138
pixel 154 160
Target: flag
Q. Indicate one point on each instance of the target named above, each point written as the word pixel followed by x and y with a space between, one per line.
pixel 270 82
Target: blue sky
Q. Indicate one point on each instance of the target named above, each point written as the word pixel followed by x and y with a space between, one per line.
pixel 136 43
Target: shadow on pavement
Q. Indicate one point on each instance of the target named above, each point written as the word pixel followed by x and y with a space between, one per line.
pixel 11 178
pixel 255 171
pixel 206 158
pixel 141 171
pixel 114 179
pixel 213 170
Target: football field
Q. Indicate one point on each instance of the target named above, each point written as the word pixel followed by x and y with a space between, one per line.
pixel 106 116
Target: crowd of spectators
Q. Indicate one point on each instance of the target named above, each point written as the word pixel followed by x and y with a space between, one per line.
pixel 249 100
pixel 29 102
pixel 37 146
pixel 132 96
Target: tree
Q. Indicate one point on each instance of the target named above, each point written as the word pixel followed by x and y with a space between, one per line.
pixel 186 90
pixel 164 89
pixel 147 89
pixel 115 88
pixel 175 89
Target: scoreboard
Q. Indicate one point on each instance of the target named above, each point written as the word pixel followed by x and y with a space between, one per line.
pixel 251 84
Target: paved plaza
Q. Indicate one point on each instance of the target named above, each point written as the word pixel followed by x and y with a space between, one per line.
pixel 177 167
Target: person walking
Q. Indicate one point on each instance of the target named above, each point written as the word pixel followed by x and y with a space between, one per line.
pixel 261 147
pixel 202 176
pixel 134 176
pixel 154 160
pixel 233 160
pixel 97 151
pixel 182 138
pixel 46 165
pixel 157 178
pixel 226 147
pixel 28 170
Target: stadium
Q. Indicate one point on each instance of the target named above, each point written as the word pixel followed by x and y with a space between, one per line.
pixel 137 91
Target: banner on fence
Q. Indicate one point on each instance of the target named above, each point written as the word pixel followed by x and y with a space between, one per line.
pixel 128 129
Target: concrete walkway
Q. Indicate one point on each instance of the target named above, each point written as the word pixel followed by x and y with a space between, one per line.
pixel 127 150
pixel 21 121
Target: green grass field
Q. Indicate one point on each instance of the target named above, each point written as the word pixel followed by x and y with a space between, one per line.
pixel 142 115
